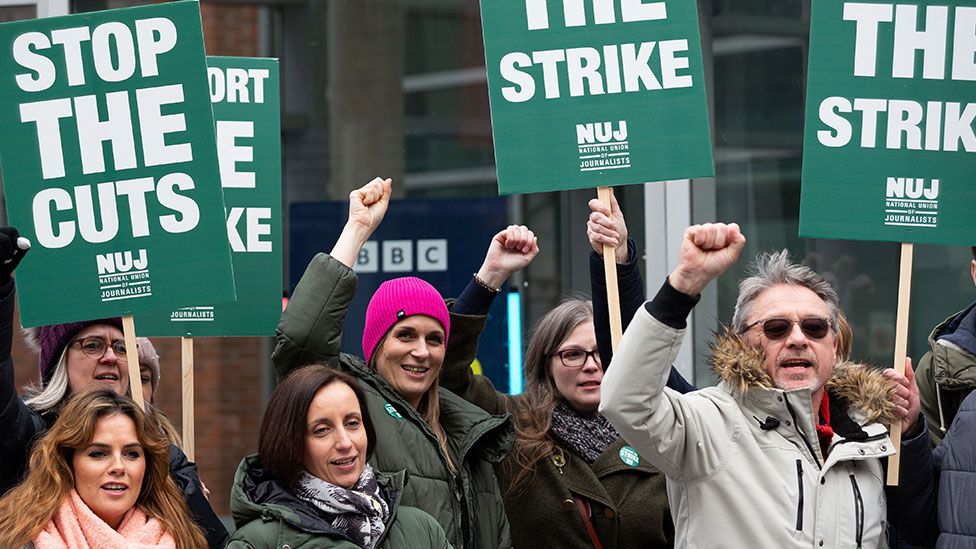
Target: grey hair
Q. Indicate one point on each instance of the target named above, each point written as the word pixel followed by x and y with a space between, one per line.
pixel 774 268
pixel 44 398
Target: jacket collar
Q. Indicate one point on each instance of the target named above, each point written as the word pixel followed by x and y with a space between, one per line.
pixel 954 368
pixel 257 494
pixel 859 394
pixel 469 429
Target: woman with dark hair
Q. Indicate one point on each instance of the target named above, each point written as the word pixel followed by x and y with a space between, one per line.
pixel 99 478
pixel 570 469
pixel 310 484
pixel 74 357
pixel 447 445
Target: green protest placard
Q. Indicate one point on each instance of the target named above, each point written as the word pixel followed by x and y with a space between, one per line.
pixel 110 163
pixel 246 111
pixel 889 149
pixel 595 93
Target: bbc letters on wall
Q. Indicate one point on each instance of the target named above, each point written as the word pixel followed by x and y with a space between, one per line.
pixel 110 165
pixel 246 111
pixel 889 147
pixel 588 93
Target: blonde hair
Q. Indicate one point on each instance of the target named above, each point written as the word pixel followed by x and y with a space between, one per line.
pixel 27 508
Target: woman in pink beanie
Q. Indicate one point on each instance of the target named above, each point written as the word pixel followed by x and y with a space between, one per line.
pixel 447 445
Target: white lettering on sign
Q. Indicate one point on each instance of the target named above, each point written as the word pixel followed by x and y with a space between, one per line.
pixel 117 129
pixel 432 254
pixel 103 225
pixel 113 52
pixel 230 152
pixel 936 126
pixel 574 12
pixel 257 224
pixel 932 41
pixel 590 71
pixel 237 85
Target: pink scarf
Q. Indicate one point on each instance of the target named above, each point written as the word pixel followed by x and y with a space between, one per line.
pixel 75 526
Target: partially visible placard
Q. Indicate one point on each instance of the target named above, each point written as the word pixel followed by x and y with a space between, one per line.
pixel 889 149
pixel 246 108
pixel 588 94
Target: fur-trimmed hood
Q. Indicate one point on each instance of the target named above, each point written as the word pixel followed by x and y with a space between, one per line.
pixel 860 386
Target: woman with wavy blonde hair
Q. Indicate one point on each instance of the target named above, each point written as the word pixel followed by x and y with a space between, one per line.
pixel 99 478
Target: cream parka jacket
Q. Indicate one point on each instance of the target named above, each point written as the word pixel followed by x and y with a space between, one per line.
pixel 742 459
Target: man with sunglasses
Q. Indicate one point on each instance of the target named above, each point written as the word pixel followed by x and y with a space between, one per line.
pixel 787 450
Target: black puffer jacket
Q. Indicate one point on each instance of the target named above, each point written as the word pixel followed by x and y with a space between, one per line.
pixel 20 426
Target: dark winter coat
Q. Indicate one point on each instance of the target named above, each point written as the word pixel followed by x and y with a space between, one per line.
pixel 268 516
pixel 20 426
pixel 629 503
pixel 468 504
pixel 935 500
pixel 947 373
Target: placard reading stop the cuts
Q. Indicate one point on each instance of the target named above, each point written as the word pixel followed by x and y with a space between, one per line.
pixel 588 93
pixel 110 165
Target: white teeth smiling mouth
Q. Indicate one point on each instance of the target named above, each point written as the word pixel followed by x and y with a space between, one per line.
pixel 415 369
pixel 113 487
pixel 346 461
pixel 796 363
pixel 107 377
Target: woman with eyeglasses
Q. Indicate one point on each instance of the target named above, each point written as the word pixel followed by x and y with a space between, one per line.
pixel 72 358
pixel 569 470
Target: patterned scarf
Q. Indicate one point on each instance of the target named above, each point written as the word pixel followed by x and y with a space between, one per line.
pixel 360 512
pixel 588 437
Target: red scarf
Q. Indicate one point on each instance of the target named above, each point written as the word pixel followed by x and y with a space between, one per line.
pixel 824 431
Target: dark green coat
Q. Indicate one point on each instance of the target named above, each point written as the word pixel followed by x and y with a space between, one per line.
pixel 945 376
pixel 270 517
pixel 467 505
pixel 629 503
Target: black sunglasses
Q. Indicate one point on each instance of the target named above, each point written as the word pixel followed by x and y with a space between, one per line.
pixel 778 328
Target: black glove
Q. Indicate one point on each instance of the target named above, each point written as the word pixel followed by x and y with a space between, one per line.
pixel 11 251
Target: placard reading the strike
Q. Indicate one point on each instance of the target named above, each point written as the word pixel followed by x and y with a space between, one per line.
pixel 110 163
pixel 588 93
pixel 246 109
pixel 889 149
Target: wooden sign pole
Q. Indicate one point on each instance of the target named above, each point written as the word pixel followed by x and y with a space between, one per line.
pixel 132 359
pixel 901 349
pixel 187 360
pixel 610 267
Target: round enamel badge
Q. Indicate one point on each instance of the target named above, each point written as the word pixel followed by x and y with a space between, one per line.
pixel 391 410
pixel 629 456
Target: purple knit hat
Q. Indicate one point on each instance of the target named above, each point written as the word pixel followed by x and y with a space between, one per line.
pixel 397 299
pixel 49 342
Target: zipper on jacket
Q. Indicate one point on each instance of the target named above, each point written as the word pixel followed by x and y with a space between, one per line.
pixel 799 503
pixel 796 427
pixel 858 511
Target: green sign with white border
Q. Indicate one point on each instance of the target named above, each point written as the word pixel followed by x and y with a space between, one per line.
pixel 587 94
pixel 889 148
pixel 110 163
pixel 246 107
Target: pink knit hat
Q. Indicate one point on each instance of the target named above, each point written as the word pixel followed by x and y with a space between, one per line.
pixel 397 299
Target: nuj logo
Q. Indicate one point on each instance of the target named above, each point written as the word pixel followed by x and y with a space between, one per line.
pixel 121 262
pixel 912 188
pixel 600 132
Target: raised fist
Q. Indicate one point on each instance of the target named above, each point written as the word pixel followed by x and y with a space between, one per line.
pixel 510 250
pixel 707 251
